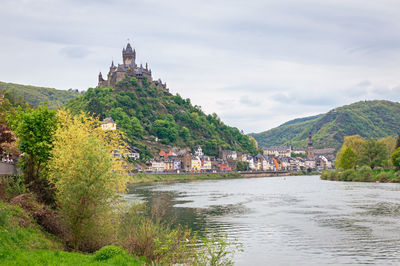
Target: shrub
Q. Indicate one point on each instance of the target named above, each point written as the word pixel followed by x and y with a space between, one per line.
pixel 216 250
pixel 364 173
pixel 155 240
pixel 13 186
pixel 348 175
pixel 87 179
pixel 108 252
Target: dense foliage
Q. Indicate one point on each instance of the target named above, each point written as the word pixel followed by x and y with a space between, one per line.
pixel 87 178
pixel 369 119
pixel 364 174
pixel 144 113
pixel 357 152
pixel 33 95
pixel 34 129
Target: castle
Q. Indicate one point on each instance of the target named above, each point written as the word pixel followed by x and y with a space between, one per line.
pixel 129 68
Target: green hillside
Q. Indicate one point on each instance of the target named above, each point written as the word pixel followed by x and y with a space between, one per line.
pixel 369 119
pixel 145 112
pixel 33 95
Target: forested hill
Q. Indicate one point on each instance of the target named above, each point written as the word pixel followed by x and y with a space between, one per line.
pixel 145 112
pixel 369 119
pixel 35 96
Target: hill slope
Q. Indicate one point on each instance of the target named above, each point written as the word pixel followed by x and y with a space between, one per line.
pixel 37 95
pixel 144 112
pixel 369 119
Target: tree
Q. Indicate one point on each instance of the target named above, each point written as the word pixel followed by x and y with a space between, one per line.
pixel 242 166
pixel 184 133
pixel 354 142
pixel 35 129
pixel 87 178
pixel 373 153
pixel 165 129
pixel 390 143
pixel 398 141
pixel 348 159
pixel 396 159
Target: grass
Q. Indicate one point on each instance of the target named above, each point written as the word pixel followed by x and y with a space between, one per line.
pixel 147 178
pixel 51 257
pixel 363 174
pixel 23 242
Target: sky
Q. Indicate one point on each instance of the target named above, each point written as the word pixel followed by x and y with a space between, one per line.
pixel 257 64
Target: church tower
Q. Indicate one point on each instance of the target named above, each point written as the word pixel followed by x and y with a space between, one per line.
pixel 129 55
pixel 310 147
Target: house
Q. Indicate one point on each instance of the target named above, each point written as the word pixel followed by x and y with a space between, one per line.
pixel 198 151
pixel 250 160
pixel 155 165
pixel 168 165
pixel 108 124
pixel 195 164
pixel 299 151
pixel 224 167
pixel 206 163
pixel 310 164
pixel 228 155
pixel 277 151
pixel 186 162
pixel 133 153
pixel 165 153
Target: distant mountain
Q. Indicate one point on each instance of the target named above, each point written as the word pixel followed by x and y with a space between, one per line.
pixel 369 119
pixel 37 95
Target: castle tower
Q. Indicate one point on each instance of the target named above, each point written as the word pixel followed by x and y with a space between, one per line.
pixel 101 80
pixel 112 67
pixel 129 55
pixel 310 147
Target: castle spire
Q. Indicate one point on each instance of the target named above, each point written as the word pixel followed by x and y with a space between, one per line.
pixel 128 48
pixel 146 66
pixel 112 64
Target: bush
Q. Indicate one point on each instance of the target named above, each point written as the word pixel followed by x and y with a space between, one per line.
pixel 108 252
pixel 158 242
pixel 13 186
pixel 155 240
pixel 348 175
pixel 364 173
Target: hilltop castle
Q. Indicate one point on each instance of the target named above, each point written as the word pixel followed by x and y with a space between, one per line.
pixel 129 68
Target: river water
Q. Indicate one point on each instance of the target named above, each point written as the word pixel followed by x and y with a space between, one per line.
pixel 289 220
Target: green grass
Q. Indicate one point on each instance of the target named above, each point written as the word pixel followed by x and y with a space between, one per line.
pixel 51 257
pixel 364 174
pixel 23 242
pixel 147 178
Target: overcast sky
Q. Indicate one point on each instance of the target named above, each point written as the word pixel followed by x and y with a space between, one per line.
pixel 255 63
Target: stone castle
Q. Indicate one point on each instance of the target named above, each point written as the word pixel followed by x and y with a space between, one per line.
pixel 129 68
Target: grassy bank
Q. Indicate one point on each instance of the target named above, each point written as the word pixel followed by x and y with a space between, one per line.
pixel 364 174
pixel 145 178
pixel 24 242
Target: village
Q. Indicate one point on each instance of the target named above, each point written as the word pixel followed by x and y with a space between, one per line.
pixel 272 159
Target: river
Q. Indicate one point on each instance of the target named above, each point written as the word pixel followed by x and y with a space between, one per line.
pixel 299 220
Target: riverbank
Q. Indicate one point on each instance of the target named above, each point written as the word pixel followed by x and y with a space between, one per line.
pixel 149 178
pixel 24 242
pixel 364 174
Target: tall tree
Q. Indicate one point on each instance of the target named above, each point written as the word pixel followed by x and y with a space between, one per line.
pixel 348 159
pixel 398 141
pixel 35 129
pixel 396 159
pixel 373 153
pixel 87 178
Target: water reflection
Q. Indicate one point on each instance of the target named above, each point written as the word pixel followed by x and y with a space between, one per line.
pixel 287 221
